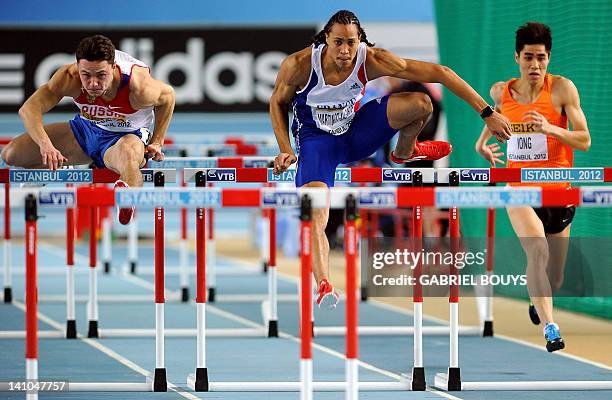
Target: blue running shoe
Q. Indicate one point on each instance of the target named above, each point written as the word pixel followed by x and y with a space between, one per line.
pixel 554 341
pixel 533 314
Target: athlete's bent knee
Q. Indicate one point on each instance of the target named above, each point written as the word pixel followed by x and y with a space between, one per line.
pixel 9 155
pixel 131 154
pixel 424 104
pixel 556 284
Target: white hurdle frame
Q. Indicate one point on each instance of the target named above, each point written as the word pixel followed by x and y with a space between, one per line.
pixel 200 382
pixel 322 198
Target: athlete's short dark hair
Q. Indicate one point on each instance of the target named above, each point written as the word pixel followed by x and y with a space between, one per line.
pixel 96 48
pixel 533 33
pixel 343 17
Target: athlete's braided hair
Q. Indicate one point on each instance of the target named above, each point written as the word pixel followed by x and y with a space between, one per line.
pixel 344 17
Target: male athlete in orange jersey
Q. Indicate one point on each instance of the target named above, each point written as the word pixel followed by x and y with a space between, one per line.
pixel 539 106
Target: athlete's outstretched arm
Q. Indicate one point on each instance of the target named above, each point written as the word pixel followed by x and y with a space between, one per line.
pixel 62 83
pixel 149 92
pixel 293 73
pixel 381 62
pixel 579 137
pixel 491 152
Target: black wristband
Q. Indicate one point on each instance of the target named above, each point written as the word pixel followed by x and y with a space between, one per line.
pixel 486 112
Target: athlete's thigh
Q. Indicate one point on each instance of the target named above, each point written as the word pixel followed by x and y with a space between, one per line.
pixel 63 139
pixel 528 228
pixel 319 155
pixel 24 152
pixel 128 146
pixel 370 130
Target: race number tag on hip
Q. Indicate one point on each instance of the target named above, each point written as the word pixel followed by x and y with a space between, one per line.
pixel 527 147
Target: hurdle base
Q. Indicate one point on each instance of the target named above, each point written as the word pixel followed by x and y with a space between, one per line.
pixel 133 267
pixel 272 328
pixel 92 332
pixel 364 293
pixel 184 295
pixel 199 381
pixel 487 329
pixel 450 381
pixel 160 384
pixel 265 267
pixel 211 294
pixel 8 295
pixel 107 267
pixel 418 379
pixel 71 332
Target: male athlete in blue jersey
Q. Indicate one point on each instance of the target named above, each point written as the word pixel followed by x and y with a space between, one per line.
pixel 324 83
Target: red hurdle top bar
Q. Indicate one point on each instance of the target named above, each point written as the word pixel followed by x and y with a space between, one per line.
pixel 357 175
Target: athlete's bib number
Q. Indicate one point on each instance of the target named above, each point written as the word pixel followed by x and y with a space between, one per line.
pixel 527 147
pixel 336 121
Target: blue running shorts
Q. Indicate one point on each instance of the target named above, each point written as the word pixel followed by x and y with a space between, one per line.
pixel 319 152
pixel 95 141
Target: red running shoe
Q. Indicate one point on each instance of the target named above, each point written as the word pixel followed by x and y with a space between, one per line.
pixel 427 150
pixel 124 215
pixel 327 295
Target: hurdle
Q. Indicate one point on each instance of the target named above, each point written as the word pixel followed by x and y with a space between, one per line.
pixel 180 163
pixel 200 382
pixel 66 198
pixel 584 196
pixel 155 383
pixel 217 197
pixel 313 198
pixel 346 175
pixel 159 276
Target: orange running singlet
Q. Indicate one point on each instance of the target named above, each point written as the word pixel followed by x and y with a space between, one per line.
pixel 528 148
